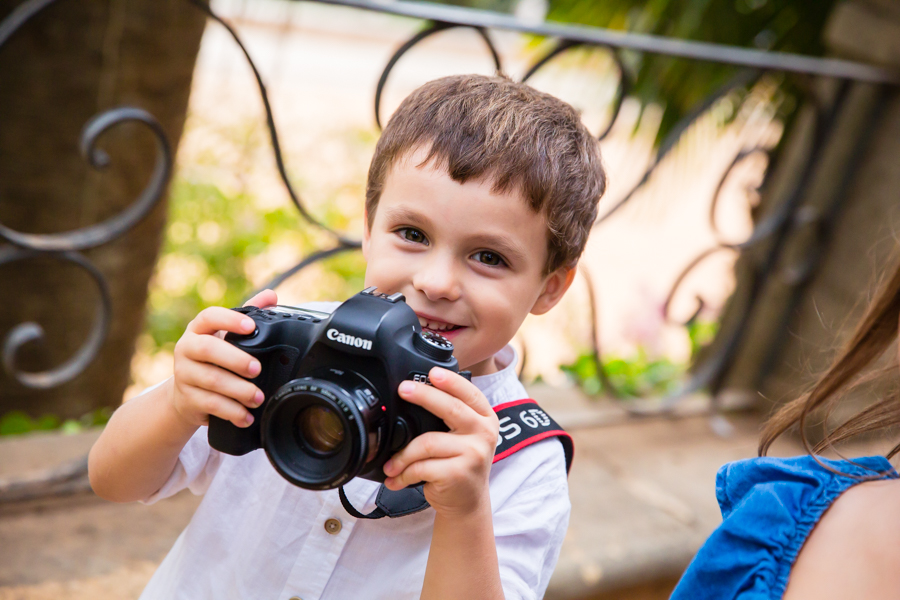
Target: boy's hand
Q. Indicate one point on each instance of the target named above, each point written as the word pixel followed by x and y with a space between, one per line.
pixel 207 368
pixel 455 466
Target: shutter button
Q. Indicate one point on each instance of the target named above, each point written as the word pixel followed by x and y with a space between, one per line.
pixel 333 526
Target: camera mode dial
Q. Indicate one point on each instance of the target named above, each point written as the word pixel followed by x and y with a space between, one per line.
pixel 433 345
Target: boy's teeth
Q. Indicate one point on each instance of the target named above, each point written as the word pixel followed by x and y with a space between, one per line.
pixel 434 326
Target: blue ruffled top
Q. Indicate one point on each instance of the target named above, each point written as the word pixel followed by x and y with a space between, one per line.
pixel 769 508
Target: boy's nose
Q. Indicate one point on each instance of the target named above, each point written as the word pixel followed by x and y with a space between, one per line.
pixel 437 280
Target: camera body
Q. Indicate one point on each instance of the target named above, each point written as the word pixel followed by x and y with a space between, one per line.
pixel 331 410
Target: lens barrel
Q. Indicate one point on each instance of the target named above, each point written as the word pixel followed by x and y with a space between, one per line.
pixel 318 432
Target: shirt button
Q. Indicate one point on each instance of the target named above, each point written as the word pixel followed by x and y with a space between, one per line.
pixel 296 598
pixel 333 526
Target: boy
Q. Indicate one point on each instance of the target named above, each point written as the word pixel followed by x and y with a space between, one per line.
pixel 480 198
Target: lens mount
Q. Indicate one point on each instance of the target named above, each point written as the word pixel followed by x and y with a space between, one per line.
pixel 315 433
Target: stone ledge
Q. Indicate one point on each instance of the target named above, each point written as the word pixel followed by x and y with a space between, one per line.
pixel 642 492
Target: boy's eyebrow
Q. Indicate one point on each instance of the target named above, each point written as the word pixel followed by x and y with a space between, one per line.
pixel 406 215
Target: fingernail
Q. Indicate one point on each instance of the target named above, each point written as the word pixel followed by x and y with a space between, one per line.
pixel 258 398
pixel 254 367
pixel 436 373
pixel 388 466
pixel 407 387
pixel 248 324
pixel 249 420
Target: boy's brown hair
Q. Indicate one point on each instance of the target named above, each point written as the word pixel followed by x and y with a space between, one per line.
pixel 477 126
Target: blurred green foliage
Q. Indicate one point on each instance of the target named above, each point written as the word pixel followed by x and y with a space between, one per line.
pixel 639 375
pixel 209 251
pixel 635 376
pixel 701 333
pixel 17 422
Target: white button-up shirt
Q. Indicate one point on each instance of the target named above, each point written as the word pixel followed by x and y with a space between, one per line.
pixel 255 535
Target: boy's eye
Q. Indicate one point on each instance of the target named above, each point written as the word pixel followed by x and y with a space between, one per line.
pixel 486 257
pixel 411 234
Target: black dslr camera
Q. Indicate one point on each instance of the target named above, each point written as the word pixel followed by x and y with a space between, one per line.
pixel 332 411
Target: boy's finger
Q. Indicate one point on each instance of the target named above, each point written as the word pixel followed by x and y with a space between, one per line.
pixel 222 382
pixel 210 349
pixel 215 318
pixel 432 469
pixel 459 387
pixel 262 299
pixel 434 444
pixel 454 412
pixel 217 405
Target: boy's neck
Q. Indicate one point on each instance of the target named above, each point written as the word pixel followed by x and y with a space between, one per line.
pixel 485 367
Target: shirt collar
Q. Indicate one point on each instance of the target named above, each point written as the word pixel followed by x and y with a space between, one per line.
pixel 503 385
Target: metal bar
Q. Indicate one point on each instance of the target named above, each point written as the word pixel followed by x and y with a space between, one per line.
pixel 704 51
pixel 270 123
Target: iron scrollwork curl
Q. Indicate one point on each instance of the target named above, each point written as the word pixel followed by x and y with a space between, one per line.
pixel 344 243
pixel 66 246
pixel 273 132
pixel 103 233
pixel 428 31
pixel 28 332
pixel 742 79
pixel 622 88
pixel 721 245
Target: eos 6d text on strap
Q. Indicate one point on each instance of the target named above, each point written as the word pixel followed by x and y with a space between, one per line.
pixel 522 423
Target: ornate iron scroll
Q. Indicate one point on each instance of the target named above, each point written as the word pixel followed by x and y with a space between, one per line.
pixel 67 246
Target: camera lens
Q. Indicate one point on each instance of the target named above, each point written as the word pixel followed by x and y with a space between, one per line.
pixel 319 432
pixel 321 428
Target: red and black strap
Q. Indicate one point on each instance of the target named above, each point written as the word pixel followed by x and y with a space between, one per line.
pixel 522 423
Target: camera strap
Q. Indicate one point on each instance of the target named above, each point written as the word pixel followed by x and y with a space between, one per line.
pixel 522 423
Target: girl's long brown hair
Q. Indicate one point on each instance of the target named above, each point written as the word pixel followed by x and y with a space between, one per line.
pixel 873 336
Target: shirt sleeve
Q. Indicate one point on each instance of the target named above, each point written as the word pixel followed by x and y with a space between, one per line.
pixel 531 518
pixel 197 465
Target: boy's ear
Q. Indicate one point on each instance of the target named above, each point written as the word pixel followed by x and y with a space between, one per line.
pixel 555 286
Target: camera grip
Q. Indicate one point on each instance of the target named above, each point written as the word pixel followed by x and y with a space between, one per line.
pixel 278 363
pixel 230 439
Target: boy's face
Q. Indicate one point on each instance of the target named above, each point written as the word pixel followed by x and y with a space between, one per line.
pixel 468 260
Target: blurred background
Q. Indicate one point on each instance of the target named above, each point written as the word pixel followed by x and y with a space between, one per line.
pixel 751 151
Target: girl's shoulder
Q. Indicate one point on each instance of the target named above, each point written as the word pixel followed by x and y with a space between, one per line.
pixel 769 507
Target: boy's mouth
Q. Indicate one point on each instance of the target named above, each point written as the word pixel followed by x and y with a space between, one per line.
pixel 440 327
